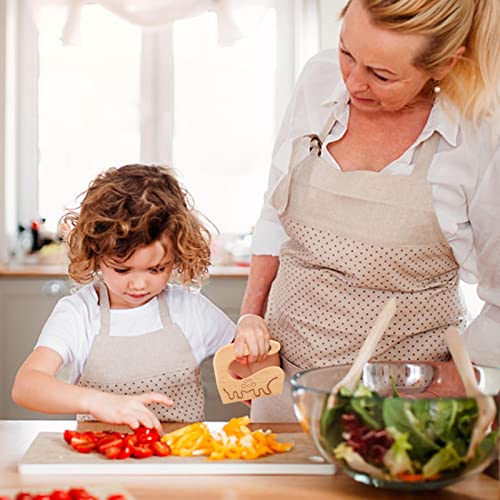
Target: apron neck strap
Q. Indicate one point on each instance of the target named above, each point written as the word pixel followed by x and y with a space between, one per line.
pixel 316 141
pixel 424 156
pixel 166 319
pixel 327 127
pixel 103 308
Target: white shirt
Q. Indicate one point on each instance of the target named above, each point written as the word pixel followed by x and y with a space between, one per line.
pixel 75 320
pixel 465 179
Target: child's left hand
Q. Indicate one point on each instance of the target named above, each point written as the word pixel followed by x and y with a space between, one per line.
pixel 251 332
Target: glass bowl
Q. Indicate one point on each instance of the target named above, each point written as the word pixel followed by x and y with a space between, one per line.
pixel 396 430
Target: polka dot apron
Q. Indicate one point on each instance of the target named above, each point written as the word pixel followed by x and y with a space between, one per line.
pixel 160 361
pixel 355 240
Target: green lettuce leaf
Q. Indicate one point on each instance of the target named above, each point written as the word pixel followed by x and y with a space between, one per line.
pixel 396 459
pixel 398 413
pixel 446 458
pixel 370 410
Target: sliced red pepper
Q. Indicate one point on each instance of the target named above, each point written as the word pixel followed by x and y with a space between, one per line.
pixel 60 495
pixel 82 444
pixel 131 440
pixel 106 443
pixel 162 449
pixel 126 452
pixel 79 494
pixel 413 478
pixel 69 434
pixel 142 451
pixel 91 436
pixel 146 435
pixel 113 452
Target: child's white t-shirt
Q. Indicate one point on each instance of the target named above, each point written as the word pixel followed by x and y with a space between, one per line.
pixel 75 321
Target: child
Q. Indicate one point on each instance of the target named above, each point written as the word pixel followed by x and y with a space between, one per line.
pixel 134 340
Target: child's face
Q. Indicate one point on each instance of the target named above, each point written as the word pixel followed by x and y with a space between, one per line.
pixel 137 280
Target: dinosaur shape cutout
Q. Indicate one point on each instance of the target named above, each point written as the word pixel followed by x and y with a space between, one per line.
pixel 266 382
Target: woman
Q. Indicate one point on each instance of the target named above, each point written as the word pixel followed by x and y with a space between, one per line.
pixel 390 190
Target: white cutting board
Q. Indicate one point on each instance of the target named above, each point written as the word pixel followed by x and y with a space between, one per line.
pixel 50 454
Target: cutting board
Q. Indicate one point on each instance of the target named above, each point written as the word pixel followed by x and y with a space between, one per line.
pixel 49 454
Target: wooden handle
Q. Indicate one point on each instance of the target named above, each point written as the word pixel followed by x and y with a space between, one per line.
pixel 485 405
pixel 381 323
pixel 266 382
pixel 462 361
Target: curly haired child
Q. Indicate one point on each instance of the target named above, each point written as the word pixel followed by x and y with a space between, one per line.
pixel 133 339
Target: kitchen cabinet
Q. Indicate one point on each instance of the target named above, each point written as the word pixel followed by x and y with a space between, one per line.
pixel 26 302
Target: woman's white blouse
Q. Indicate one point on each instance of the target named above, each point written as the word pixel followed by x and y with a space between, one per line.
pixel 465 179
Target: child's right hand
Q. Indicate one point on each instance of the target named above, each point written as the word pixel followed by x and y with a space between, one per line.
pixel 129 410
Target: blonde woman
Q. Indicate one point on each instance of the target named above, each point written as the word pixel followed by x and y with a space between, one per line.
pixel 384 183
pixel 134 340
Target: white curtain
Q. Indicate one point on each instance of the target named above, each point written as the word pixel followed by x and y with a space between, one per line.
pixel 151 13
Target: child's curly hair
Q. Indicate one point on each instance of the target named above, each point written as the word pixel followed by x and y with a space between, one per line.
pixel 129 207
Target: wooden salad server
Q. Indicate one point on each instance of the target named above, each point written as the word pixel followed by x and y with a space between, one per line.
pixel 485 405
pixel 350 379
pixel 266 382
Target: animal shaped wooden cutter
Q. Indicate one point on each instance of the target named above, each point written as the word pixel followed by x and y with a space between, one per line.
pixel 265 382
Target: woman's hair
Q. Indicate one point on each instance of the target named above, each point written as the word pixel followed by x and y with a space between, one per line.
pixel 473 83
pixel 127 208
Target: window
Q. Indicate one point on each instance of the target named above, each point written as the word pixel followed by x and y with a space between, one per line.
pixel 224 118
pixel 168 95
pixel 88 105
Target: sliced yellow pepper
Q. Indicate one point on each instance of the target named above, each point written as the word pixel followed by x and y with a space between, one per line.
pixel 236 441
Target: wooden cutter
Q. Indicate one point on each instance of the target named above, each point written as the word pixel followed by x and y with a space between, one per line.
pixel 265 382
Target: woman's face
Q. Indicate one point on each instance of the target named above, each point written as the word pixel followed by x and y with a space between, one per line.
pixel 138 279
pixel 377 64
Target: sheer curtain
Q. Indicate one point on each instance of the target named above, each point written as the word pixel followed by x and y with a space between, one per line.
pixel 154 13
pixel 109 53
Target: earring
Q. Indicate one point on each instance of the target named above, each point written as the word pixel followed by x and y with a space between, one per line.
pixel 437 88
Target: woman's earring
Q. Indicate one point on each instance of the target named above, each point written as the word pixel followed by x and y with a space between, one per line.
pixel 437 88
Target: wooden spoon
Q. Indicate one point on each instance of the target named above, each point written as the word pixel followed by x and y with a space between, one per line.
pixel 485 404
pixel 352 376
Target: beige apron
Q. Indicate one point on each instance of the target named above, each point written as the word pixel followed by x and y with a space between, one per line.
pixel 355 240
pixel 160 361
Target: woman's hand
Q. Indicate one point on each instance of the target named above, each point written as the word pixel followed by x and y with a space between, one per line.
pixel 129 410
pixel 251 332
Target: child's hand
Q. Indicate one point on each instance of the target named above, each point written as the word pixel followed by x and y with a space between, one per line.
pixel 130 410
pixel 251 331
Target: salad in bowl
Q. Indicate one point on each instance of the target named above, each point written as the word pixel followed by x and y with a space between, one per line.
pixel 390 431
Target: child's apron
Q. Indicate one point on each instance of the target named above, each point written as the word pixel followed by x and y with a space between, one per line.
pixel 160 361
pixel 355 240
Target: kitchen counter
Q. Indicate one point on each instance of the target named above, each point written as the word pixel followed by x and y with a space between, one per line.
pixel 16 436
pixel 59 271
